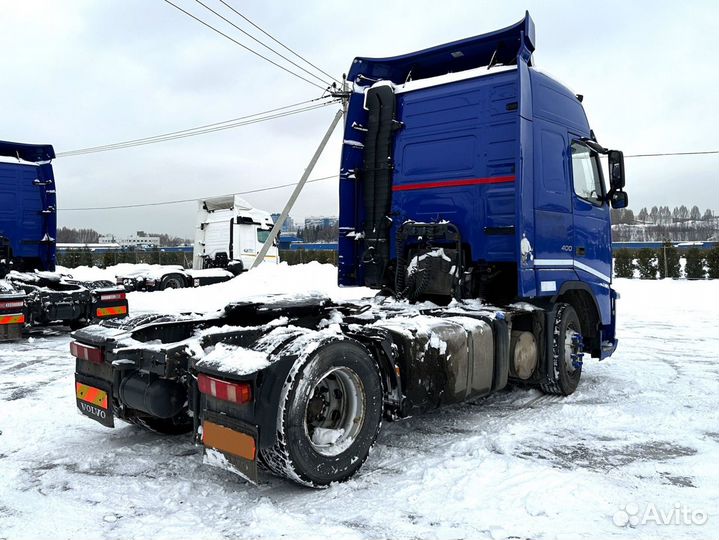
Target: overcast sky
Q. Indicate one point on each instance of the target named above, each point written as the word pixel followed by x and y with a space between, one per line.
pixel 80 73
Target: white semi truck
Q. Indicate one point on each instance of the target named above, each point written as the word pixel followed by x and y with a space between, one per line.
pixel 228 237
pixel 230 234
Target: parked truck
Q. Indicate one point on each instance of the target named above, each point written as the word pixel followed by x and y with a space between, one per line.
pixel 31 292
pixel 473 198
pixel 230 233
pixel 228 237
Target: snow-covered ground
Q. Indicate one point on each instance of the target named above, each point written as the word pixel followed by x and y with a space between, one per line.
pixel 639 439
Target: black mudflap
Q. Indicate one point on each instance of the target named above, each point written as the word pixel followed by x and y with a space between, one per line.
pixel 94 399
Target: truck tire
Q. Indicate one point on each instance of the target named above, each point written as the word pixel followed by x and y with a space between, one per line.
pixel 330 413
pixel 172 281
pixel 138 320
pixel 565 367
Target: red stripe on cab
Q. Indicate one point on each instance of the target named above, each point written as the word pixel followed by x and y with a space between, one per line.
pixel 454 183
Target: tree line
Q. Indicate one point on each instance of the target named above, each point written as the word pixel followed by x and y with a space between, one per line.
pixel 660 215
pixel 665 262
pixel 67 235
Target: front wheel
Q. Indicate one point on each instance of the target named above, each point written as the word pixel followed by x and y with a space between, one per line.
pixel 330 415
pixel 565 367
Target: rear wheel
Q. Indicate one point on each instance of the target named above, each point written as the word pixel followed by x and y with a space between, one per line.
pixel 173 281
pixel 330 415
pixel 565 367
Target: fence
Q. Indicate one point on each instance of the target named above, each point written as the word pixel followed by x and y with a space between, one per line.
pixel 86 257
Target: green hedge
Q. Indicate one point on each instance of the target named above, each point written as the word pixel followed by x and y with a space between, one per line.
pixel 649 262
pixel 85 257
pixel 301 256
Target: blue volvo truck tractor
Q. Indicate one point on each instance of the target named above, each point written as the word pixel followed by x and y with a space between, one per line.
pixel 31 292
pixel 473 198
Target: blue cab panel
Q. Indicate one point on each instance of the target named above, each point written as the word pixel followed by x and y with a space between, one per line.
pixel 481 139
pixel 28 205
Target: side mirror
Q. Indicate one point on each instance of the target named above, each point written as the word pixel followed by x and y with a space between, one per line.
pixel 616 170
pixel 619 199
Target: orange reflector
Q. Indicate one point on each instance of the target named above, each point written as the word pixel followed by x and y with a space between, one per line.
pixel 111 311
pixel 90 394
pixel 12 319
pixel 228 440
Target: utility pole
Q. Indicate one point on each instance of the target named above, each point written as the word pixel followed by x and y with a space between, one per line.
pixel 298 188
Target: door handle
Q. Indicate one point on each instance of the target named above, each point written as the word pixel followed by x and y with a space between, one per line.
pixel 581 251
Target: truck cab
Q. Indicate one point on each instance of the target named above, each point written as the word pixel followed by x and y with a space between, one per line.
pixel 469 149
pixel 31 291
pixel 230 233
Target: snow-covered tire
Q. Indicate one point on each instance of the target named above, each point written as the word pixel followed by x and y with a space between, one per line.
pixel 172 281
pixel 342 382
pixel 564 372
pixel 130 323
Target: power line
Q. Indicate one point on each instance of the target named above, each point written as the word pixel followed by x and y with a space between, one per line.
pixel 280 43
pixel 212 128
pixel 261 43
pixel 179 201
pixel 243 46
pixel 270 188
pixel 674 154
pixel 199 130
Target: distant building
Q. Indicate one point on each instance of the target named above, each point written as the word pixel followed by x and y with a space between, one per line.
pixel 322 222
pixel 130 241
pixel 288 225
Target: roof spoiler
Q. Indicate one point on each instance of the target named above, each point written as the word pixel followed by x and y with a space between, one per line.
pixel 27 152
pixel 501 47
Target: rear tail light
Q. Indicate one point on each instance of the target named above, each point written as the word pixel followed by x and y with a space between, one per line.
pixel 227 391
pixel 86 352
pixel 113 296
pixel 16 304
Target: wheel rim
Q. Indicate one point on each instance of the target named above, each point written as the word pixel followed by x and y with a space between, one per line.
pixel 335 412
pixel 572 338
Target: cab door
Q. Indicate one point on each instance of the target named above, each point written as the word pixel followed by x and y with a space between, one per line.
pixel 592 230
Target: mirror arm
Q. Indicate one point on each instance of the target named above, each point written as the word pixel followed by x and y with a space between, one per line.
pixel 594 145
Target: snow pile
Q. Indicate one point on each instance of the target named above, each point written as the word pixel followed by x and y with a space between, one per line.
pixel 303 279
pixel 325 436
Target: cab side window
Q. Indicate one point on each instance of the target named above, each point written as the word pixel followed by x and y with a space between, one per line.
pixel 586 174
